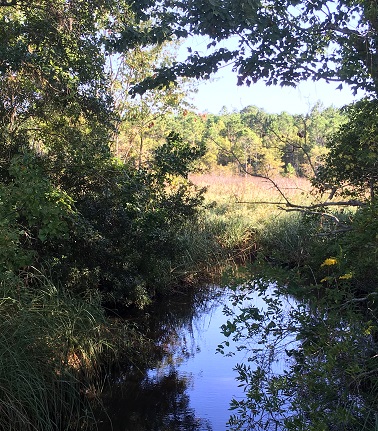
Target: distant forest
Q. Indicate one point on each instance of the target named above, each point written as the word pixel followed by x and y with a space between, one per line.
pixel 249 141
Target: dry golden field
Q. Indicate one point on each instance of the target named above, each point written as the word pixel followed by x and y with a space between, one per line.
pixel 223 188
pixel 240 207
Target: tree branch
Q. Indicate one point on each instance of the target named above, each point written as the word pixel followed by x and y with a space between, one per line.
pixel 260 202
pixel 287 205
pixel 346 31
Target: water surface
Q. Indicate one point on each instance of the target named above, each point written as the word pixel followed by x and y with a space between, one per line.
pixel 190 385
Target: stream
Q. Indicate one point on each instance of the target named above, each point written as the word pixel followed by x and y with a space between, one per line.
pixel 187 385
pixel 178 381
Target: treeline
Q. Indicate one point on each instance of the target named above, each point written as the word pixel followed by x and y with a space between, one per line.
pixel 250 141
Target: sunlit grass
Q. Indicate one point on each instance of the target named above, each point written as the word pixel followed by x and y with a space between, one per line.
pixel 252 197
pixel 239 207
pixel 226 188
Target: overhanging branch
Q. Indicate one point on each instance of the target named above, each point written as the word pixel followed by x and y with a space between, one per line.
pixel 318 209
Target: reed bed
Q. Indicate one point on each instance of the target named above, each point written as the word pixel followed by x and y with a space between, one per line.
pixel 51 348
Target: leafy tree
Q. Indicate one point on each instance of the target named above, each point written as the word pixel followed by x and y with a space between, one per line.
pixel 67 203
pixel 267 154
pixel 279 42
pixel 142 121
pixel 54 113
pixel 256 142
pixel 216 140
pixel 297 141
pixel 318 125
pixel 351 165
pixel 191 126
pixel 322 121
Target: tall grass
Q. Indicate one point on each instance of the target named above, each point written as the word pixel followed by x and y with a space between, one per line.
pixel 241 188
pixel 243 212
pixel 50 345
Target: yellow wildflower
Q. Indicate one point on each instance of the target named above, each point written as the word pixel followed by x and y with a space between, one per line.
pixel 330 261
pixel 369 330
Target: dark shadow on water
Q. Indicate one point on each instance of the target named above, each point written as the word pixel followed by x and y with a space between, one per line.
pixel 151 405
pixel 153 394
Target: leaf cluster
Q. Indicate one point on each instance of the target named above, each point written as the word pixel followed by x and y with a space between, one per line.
pixel 351 164
pixel 310 364
pixel 277 42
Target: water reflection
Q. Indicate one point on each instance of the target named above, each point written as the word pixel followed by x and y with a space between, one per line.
pixel 152 405
pixel 187 386
pixel 294 362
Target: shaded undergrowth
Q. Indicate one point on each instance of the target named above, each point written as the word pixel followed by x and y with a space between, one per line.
pixel 52 348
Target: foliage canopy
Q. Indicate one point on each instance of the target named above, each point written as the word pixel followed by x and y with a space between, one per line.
pixel 351 164
pixel 279 42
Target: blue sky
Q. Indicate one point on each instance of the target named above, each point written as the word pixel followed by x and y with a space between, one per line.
pixel 223 91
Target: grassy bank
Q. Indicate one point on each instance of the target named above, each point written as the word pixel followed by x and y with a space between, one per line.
pixel 247 219
pixel 52 348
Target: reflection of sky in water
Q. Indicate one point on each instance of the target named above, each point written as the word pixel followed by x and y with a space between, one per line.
pixel 211 378
pixel 193 386
pixel 214 382
pixel 210 375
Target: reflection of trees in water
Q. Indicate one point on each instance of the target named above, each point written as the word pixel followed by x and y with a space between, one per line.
pixel 141 400
pixel 169 325
pixel 329 369
pixel 151 404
